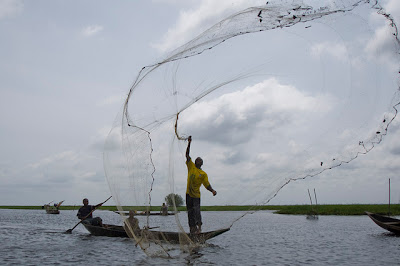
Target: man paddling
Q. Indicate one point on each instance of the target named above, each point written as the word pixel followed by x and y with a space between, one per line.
pixel 85 210
pixel 196 177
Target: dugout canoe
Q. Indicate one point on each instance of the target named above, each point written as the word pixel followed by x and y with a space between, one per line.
pixel 51 209
pixel 388 223
pixel 173 237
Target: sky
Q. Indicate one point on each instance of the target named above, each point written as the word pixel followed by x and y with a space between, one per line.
pixel 67 67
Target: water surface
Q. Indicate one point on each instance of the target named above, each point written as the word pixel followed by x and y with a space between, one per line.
pixel 32 237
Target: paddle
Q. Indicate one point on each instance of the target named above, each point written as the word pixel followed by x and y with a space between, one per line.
pixel 69 231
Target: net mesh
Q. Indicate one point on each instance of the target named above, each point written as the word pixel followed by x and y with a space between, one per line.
pixel 271 94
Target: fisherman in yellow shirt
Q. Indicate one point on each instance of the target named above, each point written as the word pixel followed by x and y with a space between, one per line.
pixel 196 177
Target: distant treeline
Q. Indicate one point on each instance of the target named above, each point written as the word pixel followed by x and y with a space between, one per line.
pixel 345 209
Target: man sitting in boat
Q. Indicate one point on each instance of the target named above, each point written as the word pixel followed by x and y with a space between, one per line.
pixel 164 209
pixel 132 224
pixel 85 212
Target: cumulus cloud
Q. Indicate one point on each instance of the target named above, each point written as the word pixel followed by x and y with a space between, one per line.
pixel 92 30
pixel 393 7
pixel 9 8
pixel 263 106
pixel 193 21
pixel 381 46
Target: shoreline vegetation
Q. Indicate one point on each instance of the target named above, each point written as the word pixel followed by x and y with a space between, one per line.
pixel 350 209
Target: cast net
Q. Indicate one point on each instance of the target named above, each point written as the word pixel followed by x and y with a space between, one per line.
pixel 278 92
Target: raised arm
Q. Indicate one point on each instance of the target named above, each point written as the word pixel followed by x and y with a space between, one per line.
pixel 188 149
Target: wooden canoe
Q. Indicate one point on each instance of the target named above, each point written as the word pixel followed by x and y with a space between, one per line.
pixel 388 223
pixel 173 237
pixel 51 209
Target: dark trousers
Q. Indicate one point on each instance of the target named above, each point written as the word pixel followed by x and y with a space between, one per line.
pixel 193 210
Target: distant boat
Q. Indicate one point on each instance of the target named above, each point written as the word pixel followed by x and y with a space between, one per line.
pixel 52 209
pixel 388 223
pixel 173 237
pixel 312 216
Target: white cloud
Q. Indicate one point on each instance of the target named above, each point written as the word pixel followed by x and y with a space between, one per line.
pixel 267 105
pixel 63 156
pixel 336 50
pixel 92 30
pixel 382 45
pixel 9 8
pixel 98 140
pixel 393 8
pixel 193 21
pixel 65 167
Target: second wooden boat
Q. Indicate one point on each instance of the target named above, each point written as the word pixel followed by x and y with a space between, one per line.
pixel 388 223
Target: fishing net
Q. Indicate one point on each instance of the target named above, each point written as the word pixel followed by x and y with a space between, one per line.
pixel 274 93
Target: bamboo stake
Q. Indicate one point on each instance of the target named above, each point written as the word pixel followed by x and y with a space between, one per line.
pixel 312 208
pixel 316 203
pixel 389 196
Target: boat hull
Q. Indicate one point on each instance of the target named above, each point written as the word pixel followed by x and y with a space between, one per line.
pixel 173 237
pixel 53 211
pixel 387 223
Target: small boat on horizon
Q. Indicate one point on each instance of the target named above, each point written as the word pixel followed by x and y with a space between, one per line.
pixel 50 209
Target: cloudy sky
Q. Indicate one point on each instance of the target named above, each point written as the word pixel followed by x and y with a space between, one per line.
pixel 67 67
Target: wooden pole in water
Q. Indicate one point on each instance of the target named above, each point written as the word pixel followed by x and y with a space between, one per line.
pixel 312 208
pixel 316 203
pixel 389 196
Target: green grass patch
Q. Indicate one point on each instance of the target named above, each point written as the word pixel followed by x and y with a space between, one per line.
pixel 350 209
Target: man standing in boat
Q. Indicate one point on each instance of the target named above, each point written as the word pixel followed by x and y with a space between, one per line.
pixel 196 177
pixel 86 210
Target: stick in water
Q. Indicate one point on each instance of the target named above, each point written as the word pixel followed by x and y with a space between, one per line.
pixel 69 231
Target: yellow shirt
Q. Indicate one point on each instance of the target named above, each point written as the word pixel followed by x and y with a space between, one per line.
pixel 196 177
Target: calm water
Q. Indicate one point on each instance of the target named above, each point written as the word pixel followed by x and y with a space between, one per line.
pixel 32 237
